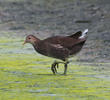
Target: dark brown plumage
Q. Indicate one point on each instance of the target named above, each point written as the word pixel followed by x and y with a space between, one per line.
pixel 60 47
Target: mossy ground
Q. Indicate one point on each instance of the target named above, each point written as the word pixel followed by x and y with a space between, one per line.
pixel 26 75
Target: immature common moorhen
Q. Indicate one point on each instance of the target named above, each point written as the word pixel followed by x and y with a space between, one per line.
pixel 60 47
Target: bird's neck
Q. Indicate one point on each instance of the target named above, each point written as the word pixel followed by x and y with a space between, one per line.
pixel 36 42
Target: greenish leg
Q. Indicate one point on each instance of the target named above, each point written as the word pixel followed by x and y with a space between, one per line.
pixel 52 68
pixel 55 65
pixel 65 70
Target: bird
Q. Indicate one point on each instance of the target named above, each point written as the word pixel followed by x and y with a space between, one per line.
pixel 59 47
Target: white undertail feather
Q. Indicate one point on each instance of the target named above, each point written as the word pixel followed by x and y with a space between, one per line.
pixel 83 34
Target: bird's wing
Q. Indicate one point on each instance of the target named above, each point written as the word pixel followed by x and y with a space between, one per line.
pixel 68 41
pixel 57 51
pixel 65 42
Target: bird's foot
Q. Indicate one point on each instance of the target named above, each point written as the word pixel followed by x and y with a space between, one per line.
pixel 55 65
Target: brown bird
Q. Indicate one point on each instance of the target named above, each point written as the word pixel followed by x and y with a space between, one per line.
pixel 60 47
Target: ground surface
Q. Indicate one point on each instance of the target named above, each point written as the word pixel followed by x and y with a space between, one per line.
pixel 26 75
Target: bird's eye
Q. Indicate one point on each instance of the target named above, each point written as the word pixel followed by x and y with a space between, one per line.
pixel 29 38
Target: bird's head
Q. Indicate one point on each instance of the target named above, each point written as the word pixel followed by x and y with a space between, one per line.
pixel 30 39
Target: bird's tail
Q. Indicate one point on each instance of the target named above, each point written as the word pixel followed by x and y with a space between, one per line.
pixel 84 33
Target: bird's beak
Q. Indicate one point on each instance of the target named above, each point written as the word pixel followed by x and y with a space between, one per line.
pixel 24 42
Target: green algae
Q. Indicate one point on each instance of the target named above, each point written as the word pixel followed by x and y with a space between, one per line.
pixel 26 75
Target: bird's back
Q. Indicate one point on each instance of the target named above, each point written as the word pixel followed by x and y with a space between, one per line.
pixel 67 41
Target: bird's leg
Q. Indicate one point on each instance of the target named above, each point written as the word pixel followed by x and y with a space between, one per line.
pixel 53 67
pixel 55 64
pixel 65 70
pixel 65 65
